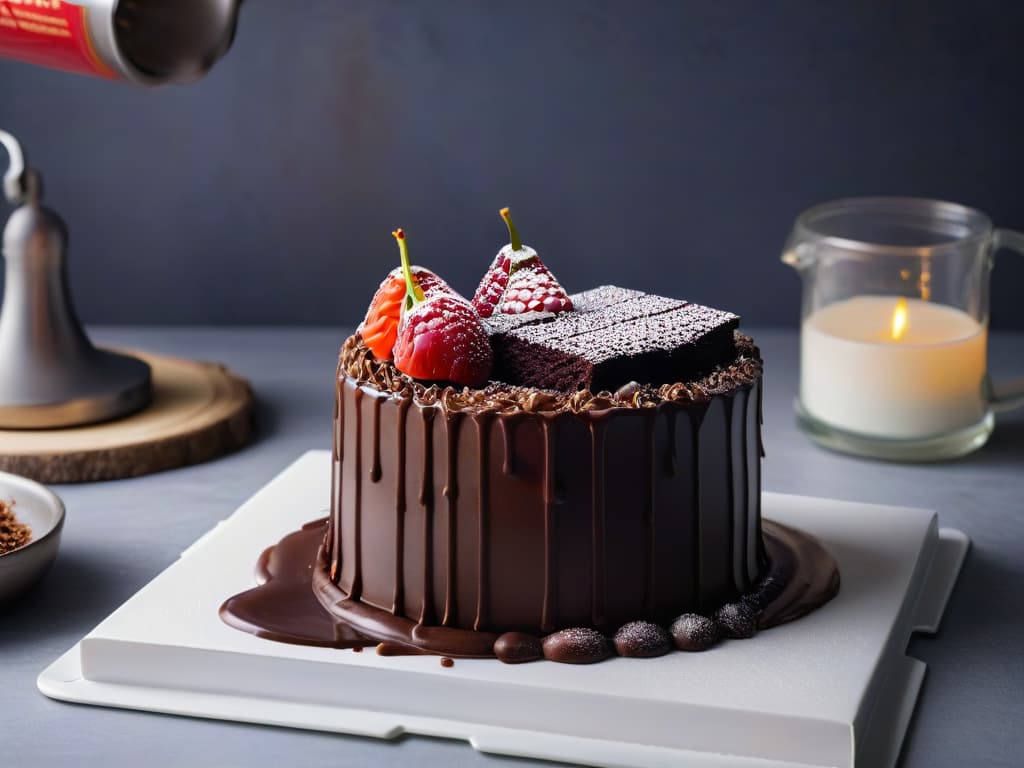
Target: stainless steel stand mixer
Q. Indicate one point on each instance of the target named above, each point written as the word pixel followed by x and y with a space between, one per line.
pixel 51 375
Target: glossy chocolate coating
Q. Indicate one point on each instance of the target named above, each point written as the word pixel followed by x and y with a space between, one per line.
pixel 537 521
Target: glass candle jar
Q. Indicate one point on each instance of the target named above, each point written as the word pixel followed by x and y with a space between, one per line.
pixel 894 326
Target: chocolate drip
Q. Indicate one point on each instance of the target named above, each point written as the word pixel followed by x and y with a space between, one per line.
pixel 760 418
pixel 375 467
pixel 743 563
pixel 339 443
pixel 329 536
pixel 730 488
pixel 451 492
pixel 400 471
pixel 549 606
pixel 648 512
pixel 670 454
pixel 357 511
pixel 696 419
pixel 336 424
pixel 599 589
pixel 336 474
pixel 736 457
pixel 756 551
pixel 426 498
pixel 483 422
pixel 508 461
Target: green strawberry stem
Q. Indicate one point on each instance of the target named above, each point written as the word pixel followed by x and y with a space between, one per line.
pixel 413 293
pixel 517 244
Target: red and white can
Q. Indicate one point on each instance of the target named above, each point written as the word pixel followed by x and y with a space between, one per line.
pixel 142 41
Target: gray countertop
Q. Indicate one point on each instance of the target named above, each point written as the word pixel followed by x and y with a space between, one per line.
pixel 119 535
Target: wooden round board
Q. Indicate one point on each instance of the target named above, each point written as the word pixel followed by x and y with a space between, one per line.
pixel 199 411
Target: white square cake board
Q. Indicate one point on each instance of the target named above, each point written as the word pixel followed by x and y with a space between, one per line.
pixel 830 689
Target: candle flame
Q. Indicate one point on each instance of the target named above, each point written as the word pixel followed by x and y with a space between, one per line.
pixel 899 320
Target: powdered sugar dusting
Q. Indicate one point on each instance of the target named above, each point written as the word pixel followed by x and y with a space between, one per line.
pixel 443 339
pixel 693 632
pixel 576 645
pixel 532 288
pixel 642 639
pixel 492 286
pixel 518 282
pixel 737 620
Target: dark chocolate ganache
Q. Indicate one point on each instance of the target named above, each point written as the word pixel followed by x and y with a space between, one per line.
pixel 515 509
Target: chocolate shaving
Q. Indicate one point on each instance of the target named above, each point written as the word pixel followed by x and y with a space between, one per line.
pixel 358 362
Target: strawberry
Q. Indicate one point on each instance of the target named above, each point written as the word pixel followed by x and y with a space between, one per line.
pixel 380 326
pixel 440 336
pixel 492 287
pixel 518 281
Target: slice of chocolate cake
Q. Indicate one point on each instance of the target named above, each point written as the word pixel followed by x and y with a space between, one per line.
pixel 615 336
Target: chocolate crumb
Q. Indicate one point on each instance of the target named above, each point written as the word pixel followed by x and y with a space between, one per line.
pixel 627 391
pixel 446 662
pixel 693 632
pixel 642 639
pixel 737 620
pixel 357 361
pixel 13 532
pixel 578 645
pixel 357 649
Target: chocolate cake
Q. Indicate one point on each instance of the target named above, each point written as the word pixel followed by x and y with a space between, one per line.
pixel 533 474
pixel 534 506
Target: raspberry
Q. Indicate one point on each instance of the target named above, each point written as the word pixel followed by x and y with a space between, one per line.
pixel 532 288
pixel 440 336
pixel 443 339
pixel 517 281
pixel 379 328
pixel 492 287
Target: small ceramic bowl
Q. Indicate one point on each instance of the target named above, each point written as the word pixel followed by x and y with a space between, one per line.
pixel 43 511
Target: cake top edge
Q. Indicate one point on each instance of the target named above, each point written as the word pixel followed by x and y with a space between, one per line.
pixel 357 362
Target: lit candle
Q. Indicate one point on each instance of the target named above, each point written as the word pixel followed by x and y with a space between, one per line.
pixel 892 367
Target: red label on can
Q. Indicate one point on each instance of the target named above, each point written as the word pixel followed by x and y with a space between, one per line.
pixel 52 33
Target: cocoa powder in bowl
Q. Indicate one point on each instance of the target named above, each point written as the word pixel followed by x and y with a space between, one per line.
pixel 13 532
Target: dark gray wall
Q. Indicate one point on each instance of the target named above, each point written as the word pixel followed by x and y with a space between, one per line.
pixel 662 145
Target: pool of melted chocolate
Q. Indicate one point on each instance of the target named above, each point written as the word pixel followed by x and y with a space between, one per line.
pixel 295 603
